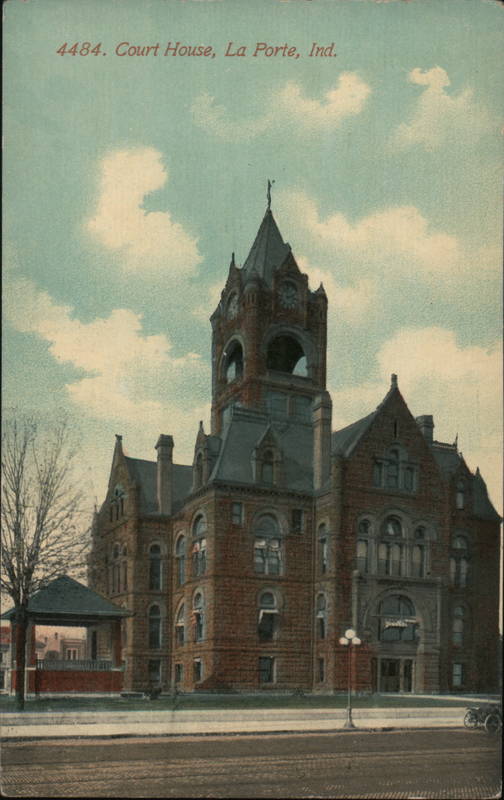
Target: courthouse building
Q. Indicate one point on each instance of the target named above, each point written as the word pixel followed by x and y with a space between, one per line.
pixel 243 570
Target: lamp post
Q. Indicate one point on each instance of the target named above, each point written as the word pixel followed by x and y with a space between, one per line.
pixel 350 638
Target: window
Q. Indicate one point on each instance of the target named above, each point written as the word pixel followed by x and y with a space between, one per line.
pixel 237 513
pixel 266 669
pixel 180 626
pixel 394 471
pixel 198 617
pixel 392 527
pixel 154 628
pixel 321 616
pixel 199 527
pixel 179 674
pixel 155 567
pixel 321 670
pixel 199 560
pixel 459 562
pixel 418 561
pixel 297 520
pixel 460 496
pixel 180 560
pixel 71 654
pixel 390 552
pixel 397 619
pixel 268 617
pixel 458 626
pixel 285 354
pixel 267 546
pixel 154 668
pixel 197 670
pixel 233 362
pixel 267 467
pixel 362 555
pixel 117 504
pixel 457 674
pixel 267 556
pixel 322 549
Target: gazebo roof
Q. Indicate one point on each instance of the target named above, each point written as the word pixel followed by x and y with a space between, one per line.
pixel 66 601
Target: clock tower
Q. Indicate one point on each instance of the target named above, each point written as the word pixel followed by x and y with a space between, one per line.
pixel 269 334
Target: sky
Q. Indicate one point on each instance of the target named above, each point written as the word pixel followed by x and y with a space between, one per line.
pixel 130 179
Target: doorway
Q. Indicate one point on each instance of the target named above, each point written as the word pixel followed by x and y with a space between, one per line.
pixel 396 675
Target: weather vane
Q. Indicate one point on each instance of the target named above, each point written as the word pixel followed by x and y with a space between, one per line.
pixel 270 184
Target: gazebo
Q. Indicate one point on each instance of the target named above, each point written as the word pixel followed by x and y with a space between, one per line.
pixel 66 602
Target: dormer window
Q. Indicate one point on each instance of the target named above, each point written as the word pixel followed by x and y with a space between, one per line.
pixel 267 467
pixel 460 496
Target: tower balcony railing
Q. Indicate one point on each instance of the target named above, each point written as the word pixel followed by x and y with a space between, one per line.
pixel 84 665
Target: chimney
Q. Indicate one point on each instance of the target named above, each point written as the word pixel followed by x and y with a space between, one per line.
pixel 426 425
pixel 322 415
pixel 164 449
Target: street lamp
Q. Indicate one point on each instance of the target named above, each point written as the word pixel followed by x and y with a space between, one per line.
pixel 350 638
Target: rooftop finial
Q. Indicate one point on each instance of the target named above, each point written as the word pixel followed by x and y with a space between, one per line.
pixel 270 184
pixel 233 263
pixel 393 380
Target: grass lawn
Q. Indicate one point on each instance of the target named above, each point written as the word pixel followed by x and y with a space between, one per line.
pixel 191 702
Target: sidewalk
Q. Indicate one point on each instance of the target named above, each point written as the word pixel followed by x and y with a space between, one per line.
pixel 181 722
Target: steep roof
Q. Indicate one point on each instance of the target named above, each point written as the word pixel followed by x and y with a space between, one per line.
pixel 268 252
pixel 245 432
pixel 144 473
pixel 67 600
pixel 344 440
pixel 483 507
pixel 447 457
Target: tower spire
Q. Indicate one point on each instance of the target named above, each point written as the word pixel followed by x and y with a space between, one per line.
pixel 268 194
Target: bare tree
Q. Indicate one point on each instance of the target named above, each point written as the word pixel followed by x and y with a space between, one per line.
pixel 42 532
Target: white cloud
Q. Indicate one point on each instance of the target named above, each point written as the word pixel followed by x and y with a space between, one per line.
pixel 400 236
pixel 438 116
pixel 460 386
pixel 141 239
pixel 348 303
pixel 126 370
pixel 287 105
pixel 209 304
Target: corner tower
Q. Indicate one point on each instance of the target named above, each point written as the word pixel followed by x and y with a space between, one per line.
pixel 269 333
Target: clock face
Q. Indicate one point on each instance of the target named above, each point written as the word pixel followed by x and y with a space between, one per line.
pixel 288 295
pixel 232 306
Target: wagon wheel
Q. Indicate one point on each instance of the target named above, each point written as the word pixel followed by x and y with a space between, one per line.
pixel 471 719
pixel 493 722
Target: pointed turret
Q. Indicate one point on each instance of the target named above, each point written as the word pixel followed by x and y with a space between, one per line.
pixel 269 250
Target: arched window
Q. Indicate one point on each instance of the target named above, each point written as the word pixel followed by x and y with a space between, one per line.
pixel 154 628
pixel 116 569
pixel 180 626
pixel 267 546
pixel 322 549
pixel 199 548
pixel 267 467
pixel 285 354
pixel 397 619
pixel 268 617
pixel 199 526
pixel 321 616
pixel 155 567
pixel 364 527
pixel 458 626
pixel 390 548
pixel 117 503
pixel 233 361
pixel 460 495
pixel 362 555
pixel 418 561
pixel 198 617
pixel 199 559
pixel 459 562
pixel 180 560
